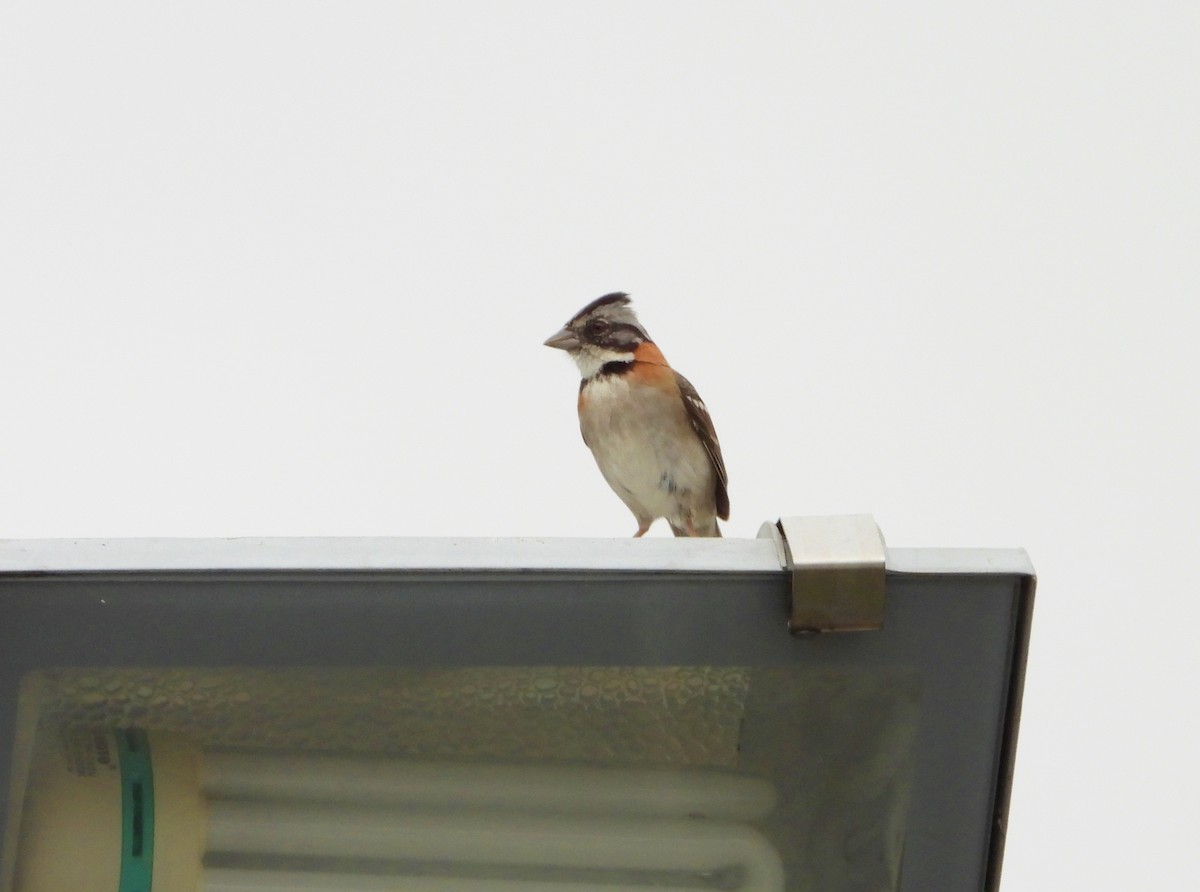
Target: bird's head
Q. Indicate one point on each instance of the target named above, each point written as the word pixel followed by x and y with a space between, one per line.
pixel 606 330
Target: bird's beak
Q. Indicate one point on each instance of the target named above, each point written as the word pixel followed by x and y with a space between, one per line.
pixel 563 339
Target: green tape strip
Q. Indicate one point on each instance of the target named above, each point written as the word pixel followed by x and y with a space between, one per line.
pixel 137 811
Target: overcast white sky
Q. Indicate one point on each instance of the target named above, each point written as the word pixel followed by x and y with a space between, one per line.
pixel 285 269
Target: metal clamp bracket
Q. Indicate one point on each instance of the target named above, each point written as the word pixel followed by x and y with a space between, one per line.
pixel 838 571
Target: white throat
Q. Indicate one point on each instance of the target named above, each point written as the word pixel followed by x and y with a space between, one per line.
pixel 592 359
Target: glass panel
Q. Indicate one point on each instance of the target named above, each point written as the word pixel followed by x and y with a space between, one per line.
pixel 552 778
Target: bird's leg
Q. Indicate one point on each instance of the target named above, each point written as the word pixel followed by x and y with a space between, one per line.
pixel 643 526
pixel 691 527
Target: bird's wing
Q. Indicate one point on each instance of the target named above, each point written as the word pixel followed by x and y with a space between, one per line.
pixel 697 414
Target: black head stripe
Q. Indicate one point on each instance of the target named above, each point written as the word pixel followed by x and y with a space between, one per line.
pixel 624 334
pixel 615 297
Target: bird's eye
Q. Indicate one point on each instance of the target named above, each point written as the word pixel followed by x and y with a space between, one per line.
pixel 598 326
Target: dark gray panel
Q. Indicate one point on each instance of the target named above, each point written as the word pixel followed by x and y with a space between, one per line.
pixel 955 632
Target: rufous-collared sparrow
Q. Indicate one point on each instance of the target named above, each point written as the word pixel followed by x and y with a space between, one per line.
pixel 647 427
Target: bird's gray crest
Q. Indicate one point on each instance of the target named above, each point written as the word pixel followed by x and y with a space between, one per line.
pixel 615 299
pixel 614 308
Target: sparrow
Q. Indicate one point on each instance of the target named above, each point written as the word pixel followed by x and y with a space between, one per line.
pixel 648 429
